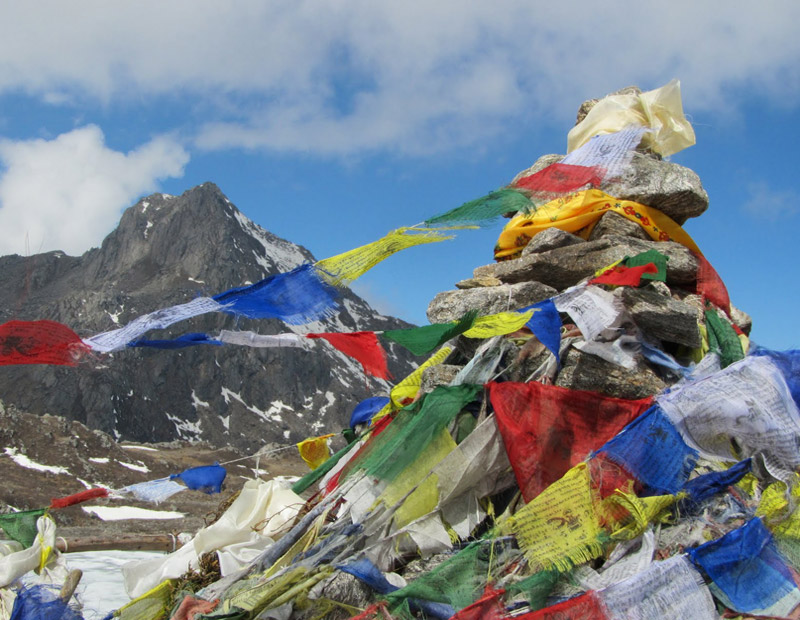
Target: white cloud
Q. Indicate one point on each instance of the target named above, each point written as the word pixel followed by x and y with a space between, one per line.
pixel 67 193
pixel 769 204
pixel 343 77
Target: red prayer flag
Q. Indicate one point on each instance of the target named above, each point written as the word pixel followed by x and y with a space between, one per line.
pixel 488 607
pixel 587 606
pixel 620 275
pixel 711 286
pixel 548 429
pixel 39 342
pixel 561 179
pixel 77 498
pixel 362 347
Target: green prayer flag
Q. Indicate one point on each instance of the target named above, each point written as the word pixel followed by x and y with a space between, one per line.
pixel 651 256
pixel 723 339
pixel 21 526
pixel 423 340
pixel 485 209
pixel 317 474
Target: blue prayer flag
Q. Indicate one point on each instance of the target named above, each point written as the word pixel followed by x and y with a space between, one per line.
pixel 207 478
pixel 186 340
pixel 367 408
pixel 546 325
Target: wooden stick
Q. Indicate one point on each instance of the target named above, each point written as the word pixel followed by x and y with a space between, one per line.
pixel 141 542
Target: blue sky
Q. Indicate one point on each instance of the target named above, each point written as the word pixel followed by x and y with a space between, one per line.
pixel 331 123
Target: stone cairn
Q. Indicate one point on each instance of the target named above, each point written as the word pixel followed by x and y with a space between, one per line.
pixel 555 260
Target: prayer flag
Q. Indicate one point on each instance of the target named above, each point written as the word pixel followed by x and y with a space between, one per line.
pixel 362 347
pixel 498 324
pixel 702 487
pixel 296 297
pixel 545 324
pixel 262 341
pixel 155 491
pixel 586 606
pixel 710 285
pixel 423 340
pixel 611 152
pixel 181 342
pixel 39 342
pixel 206 478
pixel 77 498
pixel 625 276
pixel 488 607
pixel 485 209
pixel 722 339
pixel 314 450
pixel 548 429
pixel 650 256
pixel 21 526
pixel 367 408
pixel 559 179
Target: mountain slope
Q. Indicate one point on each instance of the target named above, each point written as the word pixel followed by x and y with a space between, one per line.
pixel 168 250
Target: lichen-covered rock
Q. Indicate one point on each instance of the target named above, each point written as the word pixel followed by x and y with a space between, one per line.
pixel 452 305
pixel 612 224
pixel 662 317
pixel 671 188
pixel 441 374
pixel 553 238
pixel 583 371
pixel 565 266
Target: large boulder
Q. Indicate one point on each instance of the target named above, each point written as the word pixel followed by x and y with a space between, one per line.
pixel 662 317
pixel 452 305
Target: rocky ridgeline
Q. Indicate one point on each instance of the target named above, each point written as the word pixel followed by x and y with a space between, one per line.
pixel 555 260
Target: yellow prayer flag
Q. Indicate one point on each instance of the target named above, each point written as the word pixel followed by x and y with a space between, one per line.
pixel 498 324
pixel 314 450
pixel 559 528
pixel 641 511
pixel 408 387
pixel 774 507
pixel 342 269
pixel 151 604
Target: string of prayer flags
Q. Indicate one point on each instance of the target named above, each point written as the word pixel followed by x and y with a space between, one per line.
pixel 668 589
pixel 77 498
pixel 342 269
pixel 261 341
pixel 314 450
pixel 363 412
pixel 117 339
pixel 21 526
pixel 654 452
pixel 486 209
pixel 39 342
pixel 296 297
pixel 206 478
pixel 362 347
pixel 181 342
pixel 722 339
pixel 611 152
pixel 498 324
pixel 559 528
pixel 575 212
pixel 549 429
pixel 423 340
pixel 748 573
pixel 740 411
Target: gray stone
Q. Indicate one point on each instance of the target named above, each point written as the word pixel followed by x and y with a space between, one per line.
pixel 612 224
pixel 563 267
pixel 672 189
pixel 741 319
pixel 441 374
pixel 552 238
pixel 477 283
pixel 451 305
pixel 582 371
pixel 662 317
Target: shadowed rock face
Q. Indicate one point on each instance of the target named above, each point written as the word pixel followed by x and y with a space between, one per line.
pixel 168 250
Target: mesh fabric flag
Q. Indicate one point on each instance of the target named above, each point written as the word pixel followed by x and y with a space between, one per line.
pixel 362 347
pixel 558 179
pixel 314 450
pixel 710 285
pixel 653 450
pixel 488 607
pixel 587 606
pixel 580 210
pixel 722 339
pixel 181 342
pixel 77 498
pixel 343 269
pixel 749 574
pixel 207 478
pixel 548 429
pixel 486 209
pixel 296 297
pixel 560 529
pixel 367 408
pixel 612 152
pixel 423 340
pixel 21 526
pixel 39 342
pixel 498 324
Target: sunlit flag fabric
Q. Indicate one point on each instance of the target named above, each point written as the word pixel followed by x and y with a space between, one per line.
pixel 296 297
pixel 21 526
pixel 611 152
pixel 621 275
pixel 39 342
pixel 710 285
pixel 181 342
pixel 650 257
pixel 653 450
pixel 343 269
pixel 314 450
pixel 488 607
pixel 498 324
pixel 367 408
pixel 362 347
pixel 155 491
pixel 749 574
pixel 77 498
pixel 423 340
pixel 545 324
pixel 559 179
pixel 549 429
pixel 206 478
pixel 485 210
pixel 723 339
